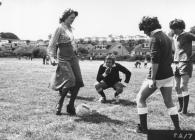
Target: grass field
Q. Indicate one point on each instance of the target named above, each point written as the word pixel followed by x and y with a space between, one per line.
pixel 27 105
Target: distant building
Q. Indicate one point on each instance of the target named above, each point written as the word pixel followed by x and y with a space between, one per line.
pixel 89 47
pixel 100 47
pixel 141 49
pixel 111 48
pixel 42 43
pixel 119 49
pixel 100 50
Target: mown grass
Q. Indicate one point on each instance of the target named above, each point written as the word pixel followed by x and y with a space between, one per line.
pixel 27 105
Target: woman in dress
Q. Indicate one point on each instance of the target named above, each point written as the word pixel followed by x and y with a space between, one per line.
pixel 61 50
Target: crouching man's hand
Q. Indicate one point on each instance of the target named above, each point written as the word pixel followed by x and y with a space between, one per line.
pixel 53 61
pixel 107 71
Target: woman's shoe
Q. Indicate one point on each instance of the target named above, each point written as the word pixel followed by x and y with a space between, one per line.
pixel 71 110
pixel 58 112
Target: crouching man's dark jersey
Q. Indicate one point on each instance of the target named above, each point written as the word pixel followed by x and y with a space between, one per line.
pixel 113 76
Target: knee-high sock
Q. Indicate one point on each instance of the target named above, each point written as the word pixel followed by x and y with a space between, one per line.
pixel 174 117
pixel 186 97
pixel 143 117
pixel 180 99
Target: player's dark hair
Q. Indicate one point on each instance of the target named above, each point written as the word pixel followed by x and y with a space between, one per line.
pixel 149 24
pixel 177 24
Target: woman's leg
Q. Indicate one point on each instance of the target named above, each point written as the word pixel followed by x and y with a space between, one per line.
pixel 78 83
pixel 62 94
pixel 70 107
pixel 74 92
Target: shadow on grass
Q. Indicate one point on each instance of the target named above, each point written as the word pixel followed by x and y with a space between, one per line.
pixel 83 98
pixel 190 114
pixel 67 114
pixel 122 102
pixel 98 118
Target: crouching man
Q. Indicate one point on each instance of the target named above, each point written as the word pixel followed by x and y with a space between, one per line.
pixel 108 76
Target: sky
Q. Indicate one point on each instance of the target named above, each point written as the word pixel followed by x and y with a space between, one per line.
pixel 36 19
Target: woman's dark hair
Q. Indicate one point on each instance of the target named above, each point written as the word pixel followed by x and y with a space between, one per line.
pixel 149 24
pixel 177 24
pixel 66 14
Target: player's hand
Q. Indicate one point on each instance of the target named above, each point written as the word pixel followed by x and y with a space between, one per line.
pixel 152 83
pixel 53 61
